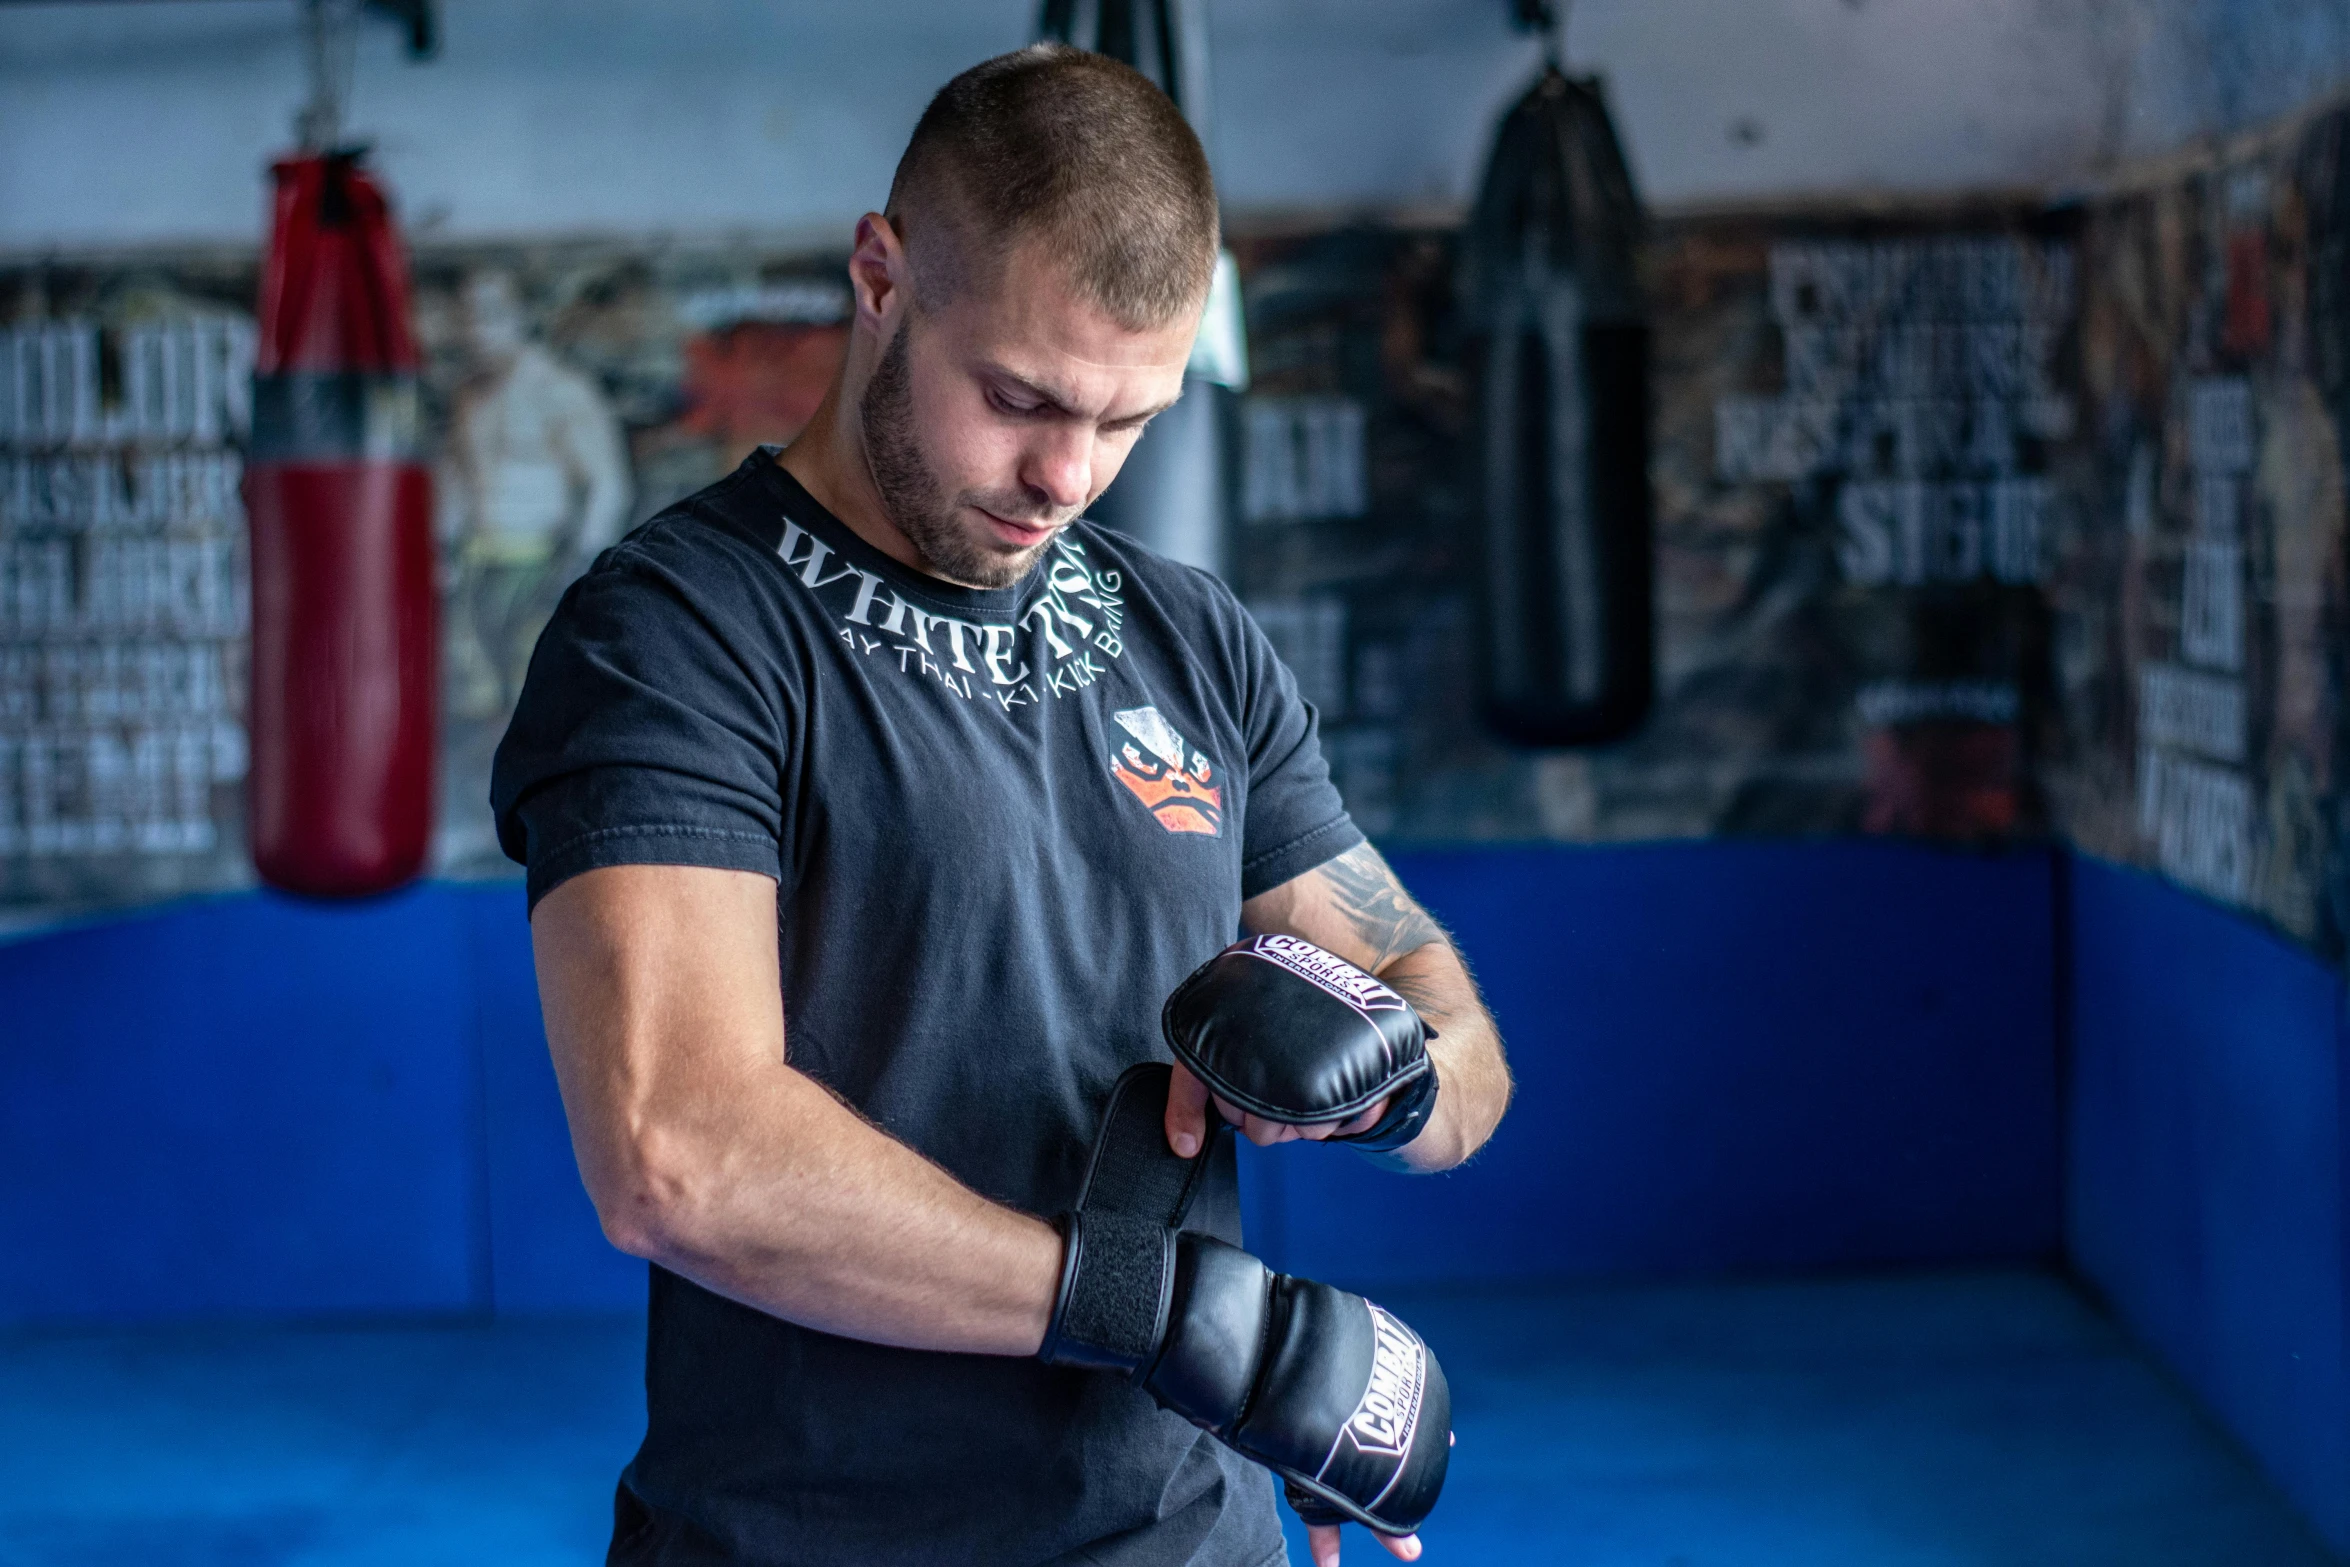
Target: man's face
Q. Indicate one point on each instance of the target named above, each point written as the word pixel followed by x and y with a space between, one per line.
pixel 994 420
pixel 493 318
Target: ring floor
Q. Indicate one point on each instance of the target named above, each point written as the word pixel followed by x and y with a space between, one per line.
pixel 1915 1421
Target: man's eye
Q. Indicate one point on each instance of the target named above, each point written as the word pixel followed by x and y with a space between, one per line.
pixel 1007 405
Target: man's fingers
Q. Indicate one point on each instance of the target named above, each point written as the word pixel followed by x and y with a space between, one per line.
pixel 1266 1133
pixel 1361 1123
pixel 1322 1540
pixel 1187 1119
pixel 1187 1113
pixel 1255 1128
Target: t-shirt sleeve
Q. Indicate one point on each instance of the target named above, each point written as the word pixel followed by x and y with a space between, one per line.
pixel 640 738
pixel 1295 821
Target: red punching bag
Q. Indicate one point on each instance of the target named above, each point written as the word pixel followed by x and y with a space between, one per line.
pixel 344 614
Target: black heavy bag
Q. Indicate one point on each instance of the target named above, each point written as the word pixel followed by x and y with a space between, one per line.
pixel 1553 298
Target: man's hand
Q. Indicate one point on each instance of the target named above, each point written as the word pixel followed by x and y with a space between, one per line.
pixel 1322 1540
pixel 1187 1119
pixel 1353 906
pixel 1339 1398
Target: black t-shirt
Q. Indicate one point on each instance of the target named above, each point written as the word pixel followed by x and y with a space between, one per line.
pixel 1003 824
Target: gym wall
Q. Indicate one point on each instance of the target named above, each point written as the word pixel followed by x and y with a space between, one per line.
pixel 1972 894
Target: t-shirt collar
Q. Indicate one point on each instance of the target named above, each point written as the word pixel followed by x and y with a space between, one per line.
pixel 810 513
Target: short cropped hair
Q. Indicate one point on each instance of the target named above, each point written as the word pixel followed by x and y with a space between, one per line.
pixel 1071 147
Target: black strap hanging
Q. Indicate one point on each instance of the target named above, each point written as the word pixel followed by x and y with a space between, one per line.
pixel 1553 295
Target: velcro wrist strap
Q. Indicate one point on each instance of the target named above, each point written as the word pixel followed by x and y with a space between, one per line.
pixel 1408 1110
pixel 1132 1170
pixel 1116 1276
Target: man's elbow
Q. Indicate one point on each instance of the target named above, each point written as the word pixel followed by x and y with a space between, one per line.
pixel 653 1197
pixel 630 1226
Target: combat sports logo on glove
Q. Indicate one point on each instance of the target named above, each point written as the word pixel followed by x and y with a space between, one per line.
pixel 1329 1391
pixel 1279 1028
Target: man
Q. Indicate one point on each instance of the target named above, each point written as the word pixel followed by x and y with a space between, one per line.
pixel 535 484
pixel 873 802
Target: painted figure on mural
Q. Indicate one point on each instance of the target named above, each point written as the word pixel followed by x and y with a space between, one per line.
pixel 534 482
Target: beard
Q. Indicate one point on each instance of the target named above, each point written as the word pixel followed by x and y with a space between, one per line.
pixel 917 503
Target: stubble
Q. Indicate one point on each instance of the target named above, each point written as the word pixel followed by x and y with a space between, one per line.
pixel 912 495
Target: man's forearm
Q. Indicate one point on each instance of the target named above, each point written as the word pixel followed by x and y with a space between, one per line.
pixel 788 1202
pixel 1473 1079
pixel 705 1151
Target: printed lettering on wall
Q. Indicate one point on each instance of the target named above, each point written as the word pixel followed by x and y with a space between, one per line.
pixel 1920 379
pixel 122 601
pixel 2194 801
pixel 1923 393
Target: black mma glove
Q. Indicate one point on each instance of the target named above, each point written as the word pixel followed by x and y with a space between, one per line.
pixel 1329 1391
pixel 1279 1028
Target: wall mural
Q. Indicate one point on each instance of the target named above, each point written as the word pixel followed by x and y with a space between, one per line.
pixel 577 392
pixel 2199 595
pixel 1853 469
pixel 571 394
pixel 1973 522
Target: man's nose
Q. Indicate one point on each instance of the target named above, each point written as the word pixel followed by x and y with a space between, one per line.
pixel 1060 467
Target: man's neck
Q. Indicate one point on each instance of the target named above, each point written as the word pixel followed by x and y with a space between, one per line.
pixel 828 458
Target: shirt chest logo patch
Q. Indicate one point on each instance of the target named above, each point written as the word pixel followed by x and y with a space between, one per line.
pixel 1175 783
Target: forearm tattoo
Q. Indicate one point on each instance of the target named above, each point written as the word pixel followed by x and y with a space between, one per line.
pixel 1383 915
pixel 1424 1000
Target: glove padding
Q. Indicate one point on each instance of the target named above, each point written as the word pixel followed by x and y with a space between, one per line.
pixel 1332 1393
pixel 1357 1421
pixel 1277 1027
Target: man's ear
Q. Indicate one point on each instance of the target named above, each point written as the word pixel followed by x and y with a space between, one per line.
pixel 880 275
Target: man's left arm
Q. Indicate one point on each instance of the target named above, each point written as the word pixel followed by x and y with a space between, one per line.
pixel 1354 906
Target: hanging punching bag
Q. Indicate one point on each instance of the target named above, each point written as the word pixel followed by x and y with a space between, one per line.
pixel 344 624
pixel 1561 333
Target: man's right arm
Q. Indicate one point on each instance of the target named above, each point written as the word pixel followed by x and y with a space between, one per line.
pixel 704 1151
